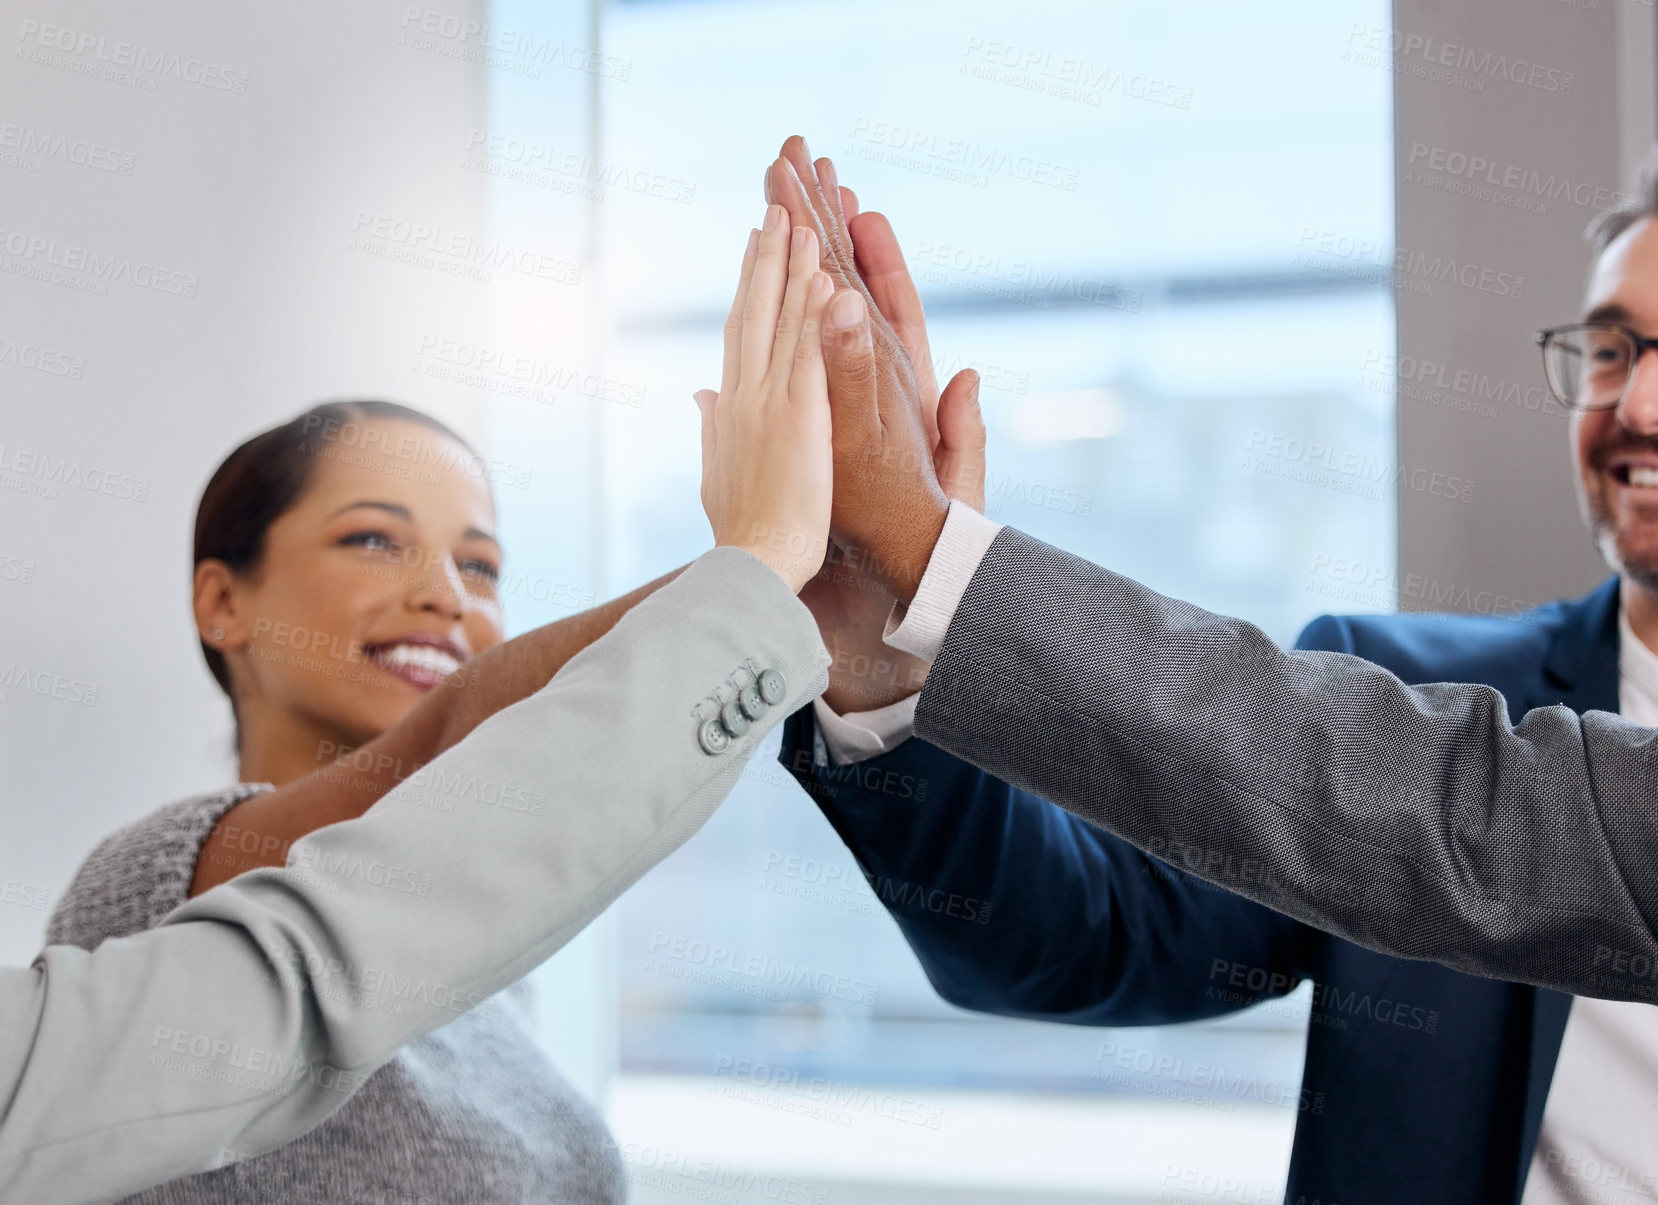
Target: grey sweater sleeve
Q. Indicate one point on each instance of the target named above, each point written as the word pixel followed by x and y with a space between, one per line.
pixel 1416 821
pixel 140 873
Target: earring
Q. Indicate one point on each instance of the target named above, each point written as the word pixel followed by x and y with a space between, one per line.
pixel 218 633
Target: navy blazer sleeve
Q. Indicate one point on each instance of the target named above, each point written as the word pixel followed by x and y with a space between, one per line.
pixel 1016 907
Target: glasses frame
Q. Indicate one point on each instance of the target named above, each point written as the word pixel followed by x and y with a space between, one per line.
pixel 1642 345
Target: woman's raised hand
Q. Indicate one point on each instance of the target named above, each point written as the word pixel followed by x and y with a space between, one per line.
pixel 767 451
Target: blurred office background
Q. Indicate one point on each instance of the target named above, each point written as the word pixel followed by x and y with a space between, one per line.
pixel 1197 250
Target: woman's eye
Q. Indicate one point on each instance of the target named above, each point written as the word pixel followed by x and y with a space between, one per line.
pixel 371 541
pixel 480 571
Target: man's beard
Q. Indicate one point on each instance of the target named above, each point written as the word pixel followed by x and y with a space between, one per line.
pixel 1639 566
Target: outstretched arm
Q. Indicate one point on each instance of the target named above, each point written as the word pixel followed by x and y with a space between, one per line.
pixel 256 1009
pixel 260 831
pixel 1016 907
pixel 1415 821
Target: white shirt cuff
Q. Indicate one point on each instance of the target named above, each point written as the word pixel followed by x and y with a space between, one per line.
pixel 961 546
pixel 860 735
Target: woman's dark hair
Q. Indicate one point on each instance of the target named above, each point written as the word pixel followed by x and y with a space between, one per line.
pixel 257 483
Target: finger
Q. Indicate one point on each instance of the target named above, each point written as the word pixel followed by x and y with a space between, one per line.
pixel 830 190
pixel 849 205
pixel 881 264
pixel 803 270
pixel 837 245
pixel 765 295
pixel 734 320
pixel 849 364
pixel 786 187
pixel 807 382
pixel 959 457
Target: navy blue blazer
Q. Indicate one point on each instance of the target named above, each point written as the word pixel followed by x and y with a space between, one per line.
pixel 1432 1081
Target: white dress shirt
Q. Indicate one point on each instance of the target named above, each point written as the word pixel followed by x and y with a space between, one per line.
pixel 1599 1138
pixel 918 630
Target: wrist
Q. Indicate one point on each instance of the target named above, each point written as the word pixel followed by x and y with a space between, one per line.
pixel 795 571
pixel 912 547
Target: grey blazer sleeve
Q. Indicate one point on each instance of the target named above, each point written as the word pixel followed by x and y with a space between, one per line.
pixel 1415 821
pixel 252 1013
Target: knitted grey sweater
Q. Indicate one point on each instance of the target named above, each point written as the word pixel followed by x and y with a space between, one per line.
pixel 473 1114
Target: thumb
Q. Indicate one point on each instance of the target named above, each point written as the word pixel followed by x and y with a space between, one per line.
pixel 705 400
pixel 849 361
pixel 959 457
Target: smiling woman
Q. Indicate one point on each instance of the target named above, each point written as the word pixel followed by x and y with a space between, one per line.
pixel 345 576
pixel 344 565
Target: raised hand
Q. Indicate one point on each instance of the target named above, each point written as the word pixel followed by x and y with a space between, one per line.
pixel 767 461
pixel 873 529
pixel 860 251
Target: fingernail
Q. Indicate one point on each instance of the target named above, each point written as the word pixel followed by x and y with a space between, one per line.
pixel 847 309
pixel 797 241
pixel 820 283
pixel 774 214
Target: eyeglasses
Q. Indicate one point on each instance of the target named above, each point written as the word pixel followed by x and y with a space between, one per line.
pixel 1590 364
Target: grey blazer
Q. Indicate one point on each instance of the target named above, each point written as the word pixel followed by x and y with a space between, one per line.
pixel 1415 821
pixel 226 1032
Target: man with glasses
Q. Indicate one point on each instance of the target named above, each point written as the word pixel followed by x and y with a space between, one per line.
pixel 1416 1075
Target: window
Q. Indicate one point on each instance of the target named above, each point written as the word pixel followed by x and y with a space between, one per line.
pixel 1162 233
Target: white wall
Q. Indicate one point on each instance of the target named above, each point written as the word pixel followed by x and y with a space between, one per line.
pixel 1571 130
pixel 256 193
pixel 252 192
